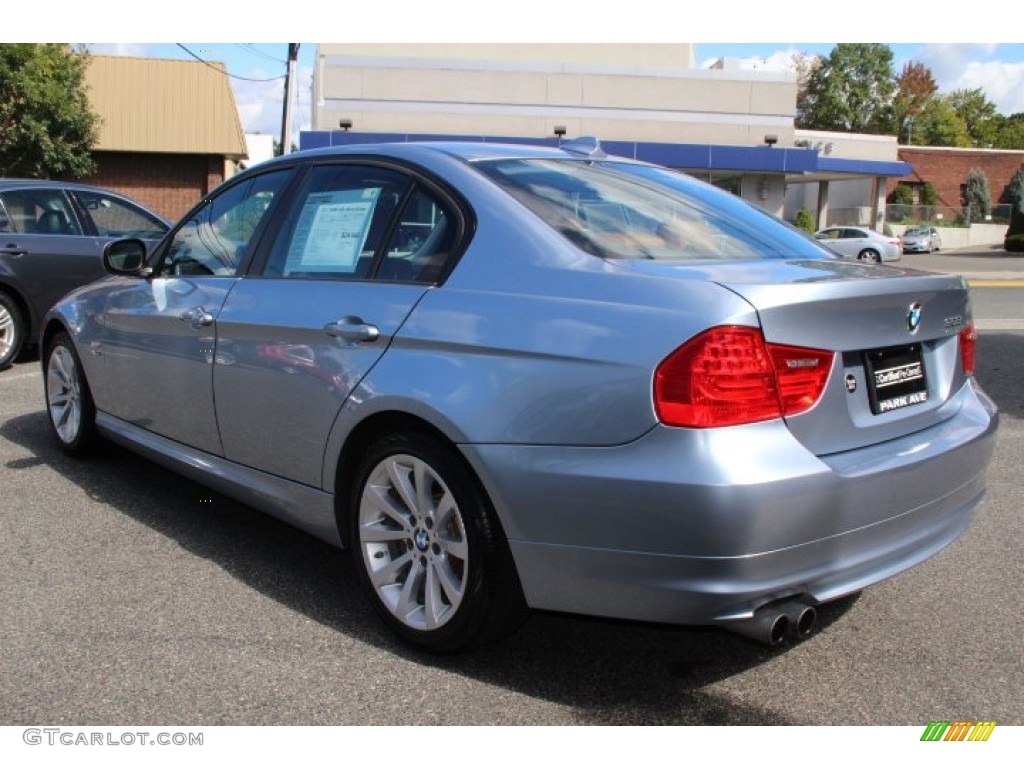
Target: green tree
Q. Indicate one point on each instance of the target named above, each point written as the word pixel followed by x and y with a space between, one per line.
pixel 1014 192
pixel 915 87
pixel 940 126
pixel 977 195
pixel 928 194
pixel 978 114
pixel 46 125
pixel 850 90
pixel 1010 131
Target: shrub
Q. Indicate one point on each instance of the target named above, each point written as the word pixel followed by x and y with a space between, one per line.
pixel 902 195
pixel 928 194
pixel 805 221
pixel 1014 240
pixel 1014 243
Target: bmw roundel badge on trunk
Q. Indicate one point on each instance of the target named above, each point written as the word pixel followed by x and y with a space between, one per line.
pixel 914 317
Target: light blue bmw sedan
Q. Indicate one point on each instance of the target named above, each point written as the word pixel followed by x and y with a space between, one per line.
pixel 511 378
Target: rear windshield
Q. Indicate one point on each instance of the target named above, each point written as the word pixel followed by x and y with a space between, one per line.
pixel 627 211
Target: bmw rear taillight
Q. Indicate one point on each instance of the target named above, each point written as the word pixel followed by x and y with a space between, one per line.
pixel 729 375
pixel 968 340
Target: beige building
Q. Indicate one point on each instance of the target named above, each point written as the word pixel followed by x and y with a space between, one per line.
pixel 615 91
pixel 169 130
pixel 729 126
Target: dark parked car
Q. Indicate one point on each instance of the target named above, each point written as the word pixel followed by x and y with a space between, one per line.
pixel 51 240
pixel 512 377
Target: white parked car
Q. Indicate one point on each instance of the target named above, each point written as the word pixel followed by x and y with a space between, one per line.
pixel 861 243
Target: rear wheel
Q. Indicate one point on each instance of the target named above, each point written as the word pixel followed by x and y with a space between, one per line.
pixel 869 254
pixel 429 548
pixel 12 330
pixel 68 399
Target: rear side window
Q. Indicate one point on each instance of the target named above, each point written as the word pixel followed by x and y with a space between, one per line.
pixel 114 217
pixel 621 210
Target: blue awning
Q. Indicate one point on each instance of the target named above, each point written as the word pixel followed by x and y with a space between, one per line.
pixel 693 157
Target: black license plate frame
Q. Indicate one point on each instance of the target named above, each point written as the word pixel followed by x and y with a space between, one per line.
pixel 896 377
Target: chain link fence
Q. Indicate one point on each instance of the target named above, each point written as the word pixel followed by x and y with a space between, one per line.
pixel 944 215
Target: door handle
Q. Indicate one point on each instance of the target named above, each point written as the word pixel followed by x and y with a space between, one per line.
pixel 197 317
pixel 352 329
pixel 12 250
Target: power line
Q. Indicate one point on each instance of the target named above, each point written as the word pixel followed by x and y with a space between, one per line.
pixel 253 49
pixel 224 71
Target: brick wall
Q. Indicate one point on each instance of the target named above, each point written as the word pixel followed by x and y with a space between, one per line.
pixel 947 170
pixel 169 184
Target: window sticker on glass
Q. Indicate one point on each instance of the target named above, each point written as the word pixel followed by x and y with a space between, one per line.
pixel 331 230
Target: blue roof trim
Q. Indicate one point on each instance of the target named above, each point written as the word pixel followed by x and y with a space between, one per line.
pixel 762 159
pixel 873 167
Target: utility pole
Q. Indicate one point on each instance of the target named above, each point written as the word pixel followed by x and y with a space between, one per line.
pixel 289 82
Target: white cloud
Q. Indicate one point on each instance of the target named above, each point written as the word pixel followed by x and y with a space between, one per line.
pixel 1002 82
pixel 778 61
pixel 260 104
pixel 121 49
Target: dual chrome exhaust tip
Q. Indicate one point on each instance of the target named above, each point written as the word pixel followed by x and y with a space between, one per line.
pixel 774 624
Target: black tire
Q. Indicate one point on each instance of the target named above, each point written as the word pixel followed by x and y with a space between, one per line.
pixel 870 255
pixel 69 404
pixel 429 548
pixel 12 330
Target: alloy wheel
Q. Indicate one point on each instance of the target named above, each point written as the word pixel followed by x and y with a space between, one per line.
pixel 63 394
pixel 413 541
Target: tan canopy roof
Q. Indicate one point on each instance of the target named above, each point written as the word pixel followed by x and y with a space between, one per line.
pixel 164 105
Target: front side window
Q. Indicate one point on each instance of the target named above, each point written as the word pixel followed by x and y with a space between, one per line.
pixel 38 212
pixel 114 217
pixel 216 237
pixel 622 210
pixel 828 234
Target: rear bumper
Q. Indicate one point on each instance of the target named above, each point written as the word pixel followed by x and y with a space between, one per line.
pixel 698 527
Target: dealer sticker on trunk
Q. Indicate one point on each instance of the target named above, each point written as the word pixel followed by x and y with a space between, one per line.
pixel 897 378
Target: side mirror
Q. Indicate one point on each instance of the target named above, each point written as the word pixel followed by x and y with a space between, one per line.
pixel 126 257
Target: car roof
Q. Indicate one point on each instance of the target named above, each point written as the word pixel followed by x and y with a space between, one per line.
pixel 52 184
pixel 465 150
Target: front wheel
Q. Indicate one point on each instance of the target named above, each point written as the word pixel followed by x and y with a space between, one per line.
pixel 68 399
pixel 869 255
pixel 429 547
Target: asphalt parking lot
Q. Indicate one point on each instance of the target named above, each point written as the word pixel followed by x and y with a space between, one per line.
pixel 131 595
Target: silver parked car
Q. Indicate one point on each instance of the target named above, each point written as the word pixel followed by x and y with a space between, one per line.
pixel 921 240
pixel 511 377
pixel 52 235
pixel 861 243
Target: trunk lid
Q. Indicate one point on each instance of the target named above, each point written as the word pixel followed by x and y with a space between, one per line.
pixel 894 331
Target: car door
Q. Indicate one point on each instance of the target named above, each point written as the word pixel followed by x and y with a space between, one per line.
pixel 158 334
pixel 43 248
pixel 359 246
pixel 854 241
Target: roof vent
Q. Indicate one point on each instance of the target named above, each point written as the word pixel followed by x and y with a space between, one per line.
pixel 584 145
